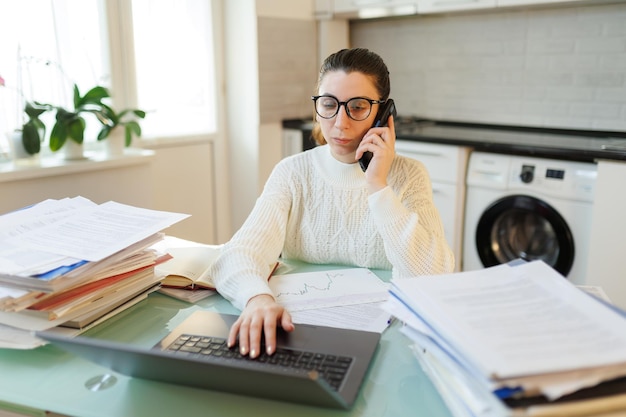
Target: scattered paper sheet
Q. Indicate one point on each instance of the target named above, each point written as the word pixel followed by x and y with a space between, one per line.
pixel 323 289
pixel 368 317
pixel 93 233
pixel 596 291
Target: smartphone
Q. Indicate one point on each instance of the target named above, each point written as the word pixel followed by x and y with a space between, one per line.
pixel 389 108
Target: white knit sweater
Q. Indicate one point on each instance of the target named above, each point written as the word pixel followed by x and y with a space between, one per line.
pixel 318 210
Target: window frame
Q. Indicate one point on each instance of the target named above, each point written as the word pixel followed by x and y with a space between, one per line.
pixel 119 22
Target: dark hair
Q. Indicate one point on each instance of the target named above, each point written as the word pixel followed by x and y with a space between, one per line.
pixel 355 60
pixel 359 60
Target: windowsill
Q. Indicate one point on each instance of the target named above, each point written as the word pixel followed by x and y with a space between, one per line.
pixel 50 165
pixel 177 141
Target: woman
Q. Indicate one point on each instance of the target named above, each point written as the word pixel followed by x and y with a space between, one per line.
pixel 320 207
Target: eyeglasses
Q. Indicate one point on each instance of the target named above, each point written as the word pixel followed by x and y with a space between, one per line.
pixel 357 108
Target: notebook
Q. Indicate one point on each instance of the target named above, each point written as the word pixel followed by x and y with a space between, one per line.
pixel 315 377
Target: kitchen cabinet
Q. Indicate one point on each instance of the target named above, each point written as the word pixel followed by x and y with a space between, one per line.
pixel 503 3
pixel 379 8
pixel 373 8
pixel 605 265
pixel 446 165
pixel 436 6
pixel 323 9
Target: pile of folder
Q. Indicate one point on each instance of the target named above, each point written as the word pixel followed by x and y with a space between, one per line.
pixel 515 340
pixel 72 263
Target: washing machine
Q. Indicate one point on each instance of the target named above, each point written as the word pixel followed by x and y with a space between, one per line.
pixel 529 208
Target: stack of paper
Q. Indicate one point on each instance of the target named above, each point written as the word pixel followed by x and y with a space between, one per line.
pixel 72 262
pixel 515 340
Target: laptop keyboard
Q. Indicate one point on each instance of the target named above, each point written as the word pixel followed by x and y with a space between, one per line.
pixel 331 367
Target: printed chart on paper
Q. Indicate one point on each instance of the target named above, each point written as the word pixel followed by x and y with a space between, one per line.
pixel 339 287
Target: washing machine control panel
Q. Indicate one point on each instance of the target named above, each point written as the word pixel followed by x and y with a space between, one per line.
pixel 528 173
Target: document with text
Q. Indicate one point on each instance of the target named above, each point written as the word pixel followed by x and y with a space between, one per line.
pixel 95 232
pixel 517 321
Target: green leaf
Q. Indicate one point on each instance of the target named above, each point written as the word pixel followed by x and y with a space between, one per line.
pixel 30 138
pixel 140 113
pixel 104 132
pixel 65 116
pixel 94 96
pixel 130 128
pixel 58 136
pixel 34 110
pixel 76 129
pixel 109 114
pixel 128 138
pixel 76 97
pixel 41 128
pixel 134 126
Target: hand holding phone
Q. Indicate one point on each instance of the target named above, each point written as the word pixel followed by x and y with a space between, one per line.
pixel 387 109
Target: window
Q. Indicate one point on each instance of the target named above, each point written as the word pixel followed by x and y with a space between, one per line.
pixel 48 45
pixel 174 63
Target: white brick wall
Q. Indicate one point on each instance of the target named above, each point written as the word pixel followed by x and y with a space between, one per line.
pixel 558 67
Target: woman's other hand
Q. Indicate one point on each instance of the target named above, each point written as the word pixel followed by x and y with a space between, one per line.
pixel 259 319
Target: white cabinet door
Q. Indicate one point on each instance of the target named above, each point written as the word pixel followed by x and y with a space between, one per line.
pixel 354 6
pixel 435 6
pixel 323 9
pixel 446 165
pixel 605 264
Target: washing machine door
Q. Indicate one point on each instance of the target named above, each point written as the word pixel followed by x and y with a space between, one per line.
pixel 521 226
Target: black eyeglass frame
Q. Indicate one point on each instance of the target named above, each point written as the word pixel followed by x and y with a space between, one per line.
pixel 345 106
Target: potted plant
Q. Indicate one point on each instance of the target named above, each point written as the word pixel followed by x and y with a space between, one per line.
pixel 33 130
pixel 27 137
pixel 125 119
pixel 70 124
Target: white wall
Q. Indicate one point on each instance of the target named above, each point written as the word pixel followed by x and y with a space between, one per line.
pixel 270 72
pixel 183 182
pixel 125 179
pixel 557 67
pixel 242 108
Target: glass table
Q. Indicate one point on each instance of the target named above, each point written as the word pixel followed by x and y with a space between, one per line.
pixel 50 379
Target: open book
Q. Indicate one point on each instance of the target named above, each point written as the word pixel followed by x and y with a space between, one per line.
pixel 189 267
pixel 190 264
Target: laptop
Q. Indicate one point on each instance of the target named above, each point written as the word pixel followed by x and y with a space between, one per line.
pixel 314 365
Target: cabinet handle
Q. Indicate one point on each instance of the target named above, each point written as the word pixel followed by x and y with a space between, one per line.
pixel 489 174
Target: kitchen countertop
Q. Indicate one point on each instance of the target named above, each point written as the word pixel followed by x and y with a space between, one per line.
pixel 569 144
pixel 578 145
